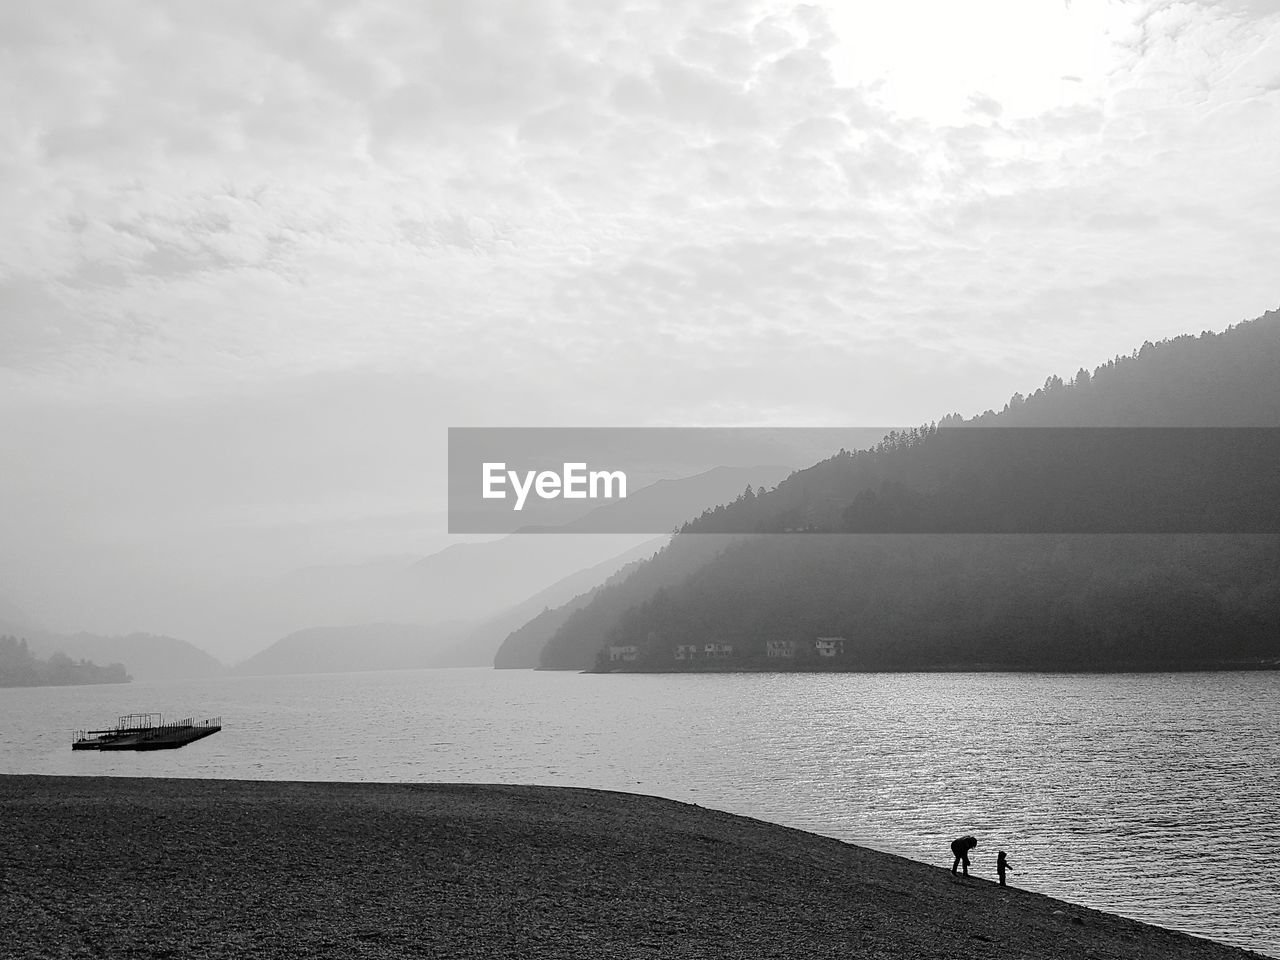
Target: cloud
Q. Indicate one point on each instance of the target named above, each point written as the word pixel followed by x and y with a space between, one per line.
pixel 983 105
pixel 283 189
pixel 575 211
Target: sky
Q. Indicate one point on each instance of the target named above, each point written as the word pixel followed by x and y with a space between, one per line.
pixel 258 257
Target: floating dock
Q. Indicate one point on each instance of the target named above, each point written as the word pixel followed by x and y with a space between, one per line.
pixel 146 731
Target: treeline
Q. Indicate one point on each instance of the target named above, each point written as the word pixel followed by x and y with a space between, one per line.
pixel 19 667
pixel 573 646
pixel 990 601
pixel 1211 380
pixel 1027 480
pixel 950 600
pixel 931 478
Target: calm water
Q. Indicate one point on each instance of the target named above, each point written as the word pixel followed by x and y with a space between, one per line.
pixel 1153 796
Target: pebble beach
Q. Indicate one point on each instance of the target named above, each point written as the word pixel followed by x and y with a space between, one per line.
pixel 184 868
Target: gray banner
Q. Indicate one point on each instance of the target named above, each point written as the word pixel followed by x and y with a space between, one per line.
pixel 864 480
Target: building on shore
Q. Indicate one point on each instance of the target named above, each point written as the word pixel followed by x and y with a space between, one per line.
pixel 717 651
pixel 828 646
pixel 782 649
pixel 687 651
pixel 625 653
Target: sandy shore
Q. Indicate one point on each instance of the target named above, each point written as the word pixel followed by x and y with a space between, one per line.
pixel 110 867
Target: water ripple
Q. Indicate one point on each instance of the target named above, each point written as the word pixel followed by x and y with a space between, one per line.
pixel 1151 796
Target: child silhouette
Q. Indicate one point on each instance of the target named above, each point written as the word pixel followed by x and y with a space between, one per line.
pixel 1002 864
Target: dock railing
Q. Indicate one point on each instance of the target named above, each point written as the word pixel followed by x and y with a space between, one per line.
pixel 185 724
pixel 148 725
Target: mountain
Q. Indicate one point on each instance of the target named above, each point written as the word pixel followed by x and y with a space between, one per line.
pixel 957 600
pixel 462 602
pixel 665 504
pixel 469 582
pixel 971 602
pixel 146 656
pixel 19 667
pixel 587 622
pixel 487 642
pixel 368 646
pixel 396 646
pixel 465 582
pixel 522 647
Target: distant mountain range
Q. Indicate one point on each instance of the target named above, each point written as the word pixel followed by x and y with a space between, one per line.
pixel 881 601
pixel 459 606
pixel 452 608
pixel 464 590
pixel 938 601
pixel 396 646
pixel 144 656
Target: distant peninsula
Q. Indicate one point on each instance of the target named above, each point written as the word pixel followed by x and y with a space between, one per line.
pixel 19 667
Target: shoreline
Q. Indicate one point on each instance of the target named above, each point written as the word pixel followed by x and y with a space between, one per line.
pixel 760 666
pixel 141 867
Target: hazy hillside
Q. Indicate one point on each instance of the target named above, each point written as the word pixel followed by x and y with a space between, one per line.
pixel 664 505
pixel 368 646
pixel 522 647
pixel 1223 379
pixel 947 600
pixel 465 582
pixel 960 601
pixel 396 646
pixel 456 607
pixel 471 582
pixel 1214 380
pixel 483 644
pixel 574 644
pixel 146 656
pixel 19 667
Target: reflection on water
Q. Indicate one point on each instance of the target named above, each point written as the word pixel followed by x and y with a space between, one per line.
pixel 1147 795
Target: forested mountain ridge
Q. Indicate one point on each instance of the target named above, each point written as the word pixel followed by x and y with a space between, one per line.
pixel 971 602
pixel 928 479
pixel 522 647
pixel 967 600
pixel 574 643
pixel 1225 379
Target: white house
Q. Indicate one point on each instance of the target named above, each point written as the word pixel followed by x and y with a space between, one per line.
pixel 687 651
pixel 715 651
pixel 828 646
pixel 781 648
pixel 627 652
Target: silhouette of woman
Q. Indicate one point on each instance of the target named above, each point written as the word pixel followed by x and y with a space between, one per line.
pixel 961 847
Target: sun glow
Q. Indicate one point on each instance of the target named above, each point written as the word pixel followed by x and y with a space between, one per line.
pixel 943 61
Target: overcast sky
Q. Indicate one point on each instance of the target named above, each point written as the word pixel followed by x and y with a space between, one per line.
pixel 258 256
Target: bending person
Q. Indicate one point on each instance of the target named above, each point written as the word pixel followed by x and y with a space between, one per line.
pixel 961 847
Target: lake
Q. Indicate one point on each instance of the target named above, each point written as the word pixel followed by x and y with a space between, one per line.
pixel 1148 795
